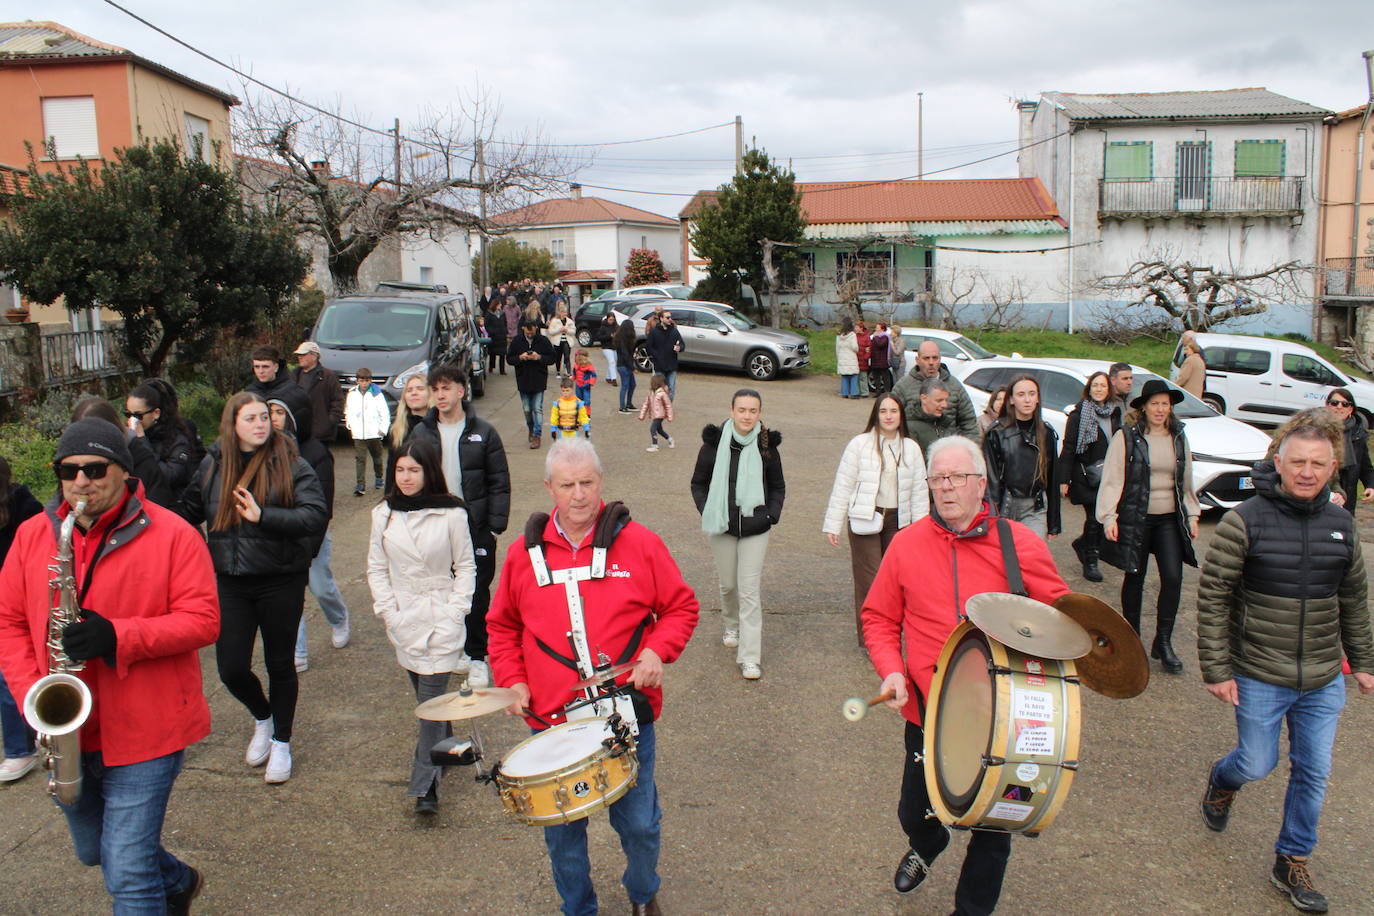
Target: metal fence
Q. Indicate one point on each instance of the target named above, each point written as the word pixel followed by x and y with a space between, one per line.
pixel 1201 195
pixel 34 360
pixel 1349 277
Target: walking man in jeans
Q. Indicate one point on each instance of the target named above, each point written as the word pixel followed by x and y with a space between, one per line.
pixel 1282 595
pixel 531 354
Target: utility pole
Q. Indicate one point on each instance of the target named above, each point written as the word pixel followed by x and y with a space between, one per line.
pixel 920 135
pixel 482 216
pixel 396 136
pixel 739 144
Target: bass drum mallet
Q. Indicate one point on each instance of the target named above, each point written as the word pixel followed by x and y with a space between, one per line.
pixel 856 708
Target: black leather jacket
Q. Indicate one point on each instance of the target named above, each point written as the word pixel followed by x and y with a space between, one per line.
pixel 1013 457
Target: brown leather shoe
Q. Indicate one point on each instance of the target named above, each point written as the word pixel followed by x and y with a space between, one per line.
pixel 646 909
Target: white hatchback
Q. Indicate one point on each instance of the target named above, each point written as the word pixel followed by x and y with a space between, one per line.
pixel 1224 450
pixel 952 344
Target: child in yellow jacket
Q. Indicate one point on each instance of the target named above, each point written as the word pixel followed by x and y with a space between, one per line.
pixel 569 414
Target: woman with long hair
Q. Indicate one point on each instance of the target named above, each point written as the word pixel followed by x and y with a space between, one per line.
pixel 1087 435
pixel 265 509
pixel 847 358
pixel 534 313
pixel 166 448
pixel 738 488
pixel 1021 452
pixel 1355 464
pixel 880 488
pixel 561 332
pixel 624 343
pixel 1146 505
pixel 421 570
pixel 415 403
pixel 993 411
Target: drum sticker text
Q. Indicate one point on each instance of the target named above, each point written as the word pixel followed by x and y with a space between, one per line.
pixel 1027 771
pixel 1035 740
pixel 1032 704
pixel 1035 671
pixel 1006 811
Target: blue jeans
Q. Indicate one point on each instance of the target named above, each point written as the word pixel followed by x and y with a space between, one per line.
pixel 627 384
pixel 849 386
pixel 18 735
pixel 326 592
pixel 117 824
pixel 533 403
pixel 671 379
pixel 636 818
pixel 1312 716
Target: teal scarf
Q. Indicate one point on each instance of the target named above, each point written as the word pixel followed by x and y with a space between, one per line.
pixel 715 517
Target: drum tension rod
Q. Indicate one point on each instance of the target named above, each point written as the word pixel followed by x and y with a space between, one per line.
pixel 1003 670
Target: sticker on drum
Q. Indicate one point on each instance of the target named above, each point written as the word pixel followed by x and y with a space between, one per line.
pixel 555 750
pixel 1035 672
pixel 1036 705
pixel 1027 772
pixel 1037 740
pixel 1006 811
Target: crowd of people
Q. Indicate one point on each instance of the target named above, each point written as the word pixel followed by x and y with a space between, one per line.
pixel 936 501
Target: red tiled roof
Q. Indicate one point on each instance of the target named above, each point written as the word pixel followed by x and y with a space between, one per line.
pixel 13 179
pixel 562 210
pixel 914 201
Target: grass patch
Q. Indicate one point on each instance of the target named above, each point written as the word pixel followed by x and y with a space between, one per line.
pixel 29 453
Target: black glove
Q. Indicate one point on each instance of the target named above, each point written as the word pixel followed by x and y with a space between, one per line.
pixel 90 637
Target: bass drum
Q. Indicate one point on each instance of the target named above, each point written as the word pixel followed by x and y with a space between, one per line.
pixel 1001 735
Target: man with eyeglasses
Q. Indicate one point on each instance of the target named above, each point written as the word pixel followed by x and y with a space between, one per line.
pixel 147 589
pixel 933 566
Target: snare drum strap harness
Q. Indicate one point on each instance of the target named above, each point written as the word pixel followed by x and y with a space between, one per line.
pixel 614 517
pixel 1016 584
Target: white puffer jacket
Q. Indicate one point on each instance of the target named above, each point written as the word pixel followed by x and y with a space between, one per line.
pixel 367 415
pixel 421 570
pixel 847 354
pixel 560 331
pixel 856 484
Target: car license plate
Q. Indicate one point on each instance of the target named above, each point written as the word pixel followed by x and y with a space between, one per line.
pixel 1247 483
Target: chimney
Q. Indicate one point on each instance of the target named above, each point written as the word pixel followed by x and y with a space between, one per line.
pixel 1025 111
pixel 320 167
pixel 575 190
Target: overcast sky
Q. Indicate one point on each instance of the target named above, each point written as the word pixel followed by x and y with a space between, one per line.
pixel 831 86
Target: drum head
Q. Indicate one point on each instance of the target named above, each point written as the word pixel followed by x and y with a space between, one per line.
pixel 964 723
pixel 555 748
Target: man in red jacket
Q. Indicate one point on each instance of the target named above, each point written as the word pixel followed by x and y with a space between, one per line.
pixel 145 581
pixel 931 569
pixel 630 603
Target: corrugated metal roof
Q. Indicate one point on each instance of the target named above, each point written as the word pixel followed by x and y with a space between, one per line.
pixel 1255 102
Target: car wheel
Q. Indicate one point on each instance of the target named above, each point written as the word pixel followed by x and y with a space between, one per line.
pixel 642 361
pixel 584 337
pixel 761 365
pixel 1215 403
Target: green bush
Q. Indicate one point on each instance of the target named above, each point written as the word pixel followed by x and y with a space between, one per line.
pixel 29 453
pixel 200 403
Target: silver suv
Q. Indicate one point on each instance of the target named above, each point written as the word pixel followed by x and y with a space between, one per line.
pixel 714 334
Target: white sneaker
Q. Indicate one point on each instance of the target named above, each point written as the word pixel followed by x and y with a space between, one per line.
pixel 340 634
pixel 731 639
pixel 302 663
pixel 479 674
pixel 279 763
pixel 652 448
pixel 259 747
pixel 17 767
pixel 750 670
pixel 671 443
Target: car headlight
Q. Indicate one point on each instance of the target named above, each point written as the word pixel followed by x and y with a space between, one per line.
pixel 399 380
pixel 787 346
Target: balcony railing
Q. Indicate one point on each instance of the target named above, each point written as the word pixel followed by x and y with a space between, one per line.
pixel 1349 278
pixel 1201 196
pixel 78 354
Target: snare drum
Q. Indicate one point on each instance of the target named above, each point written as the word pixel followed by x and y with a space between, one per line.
pixel 1001 735
pixel 565 773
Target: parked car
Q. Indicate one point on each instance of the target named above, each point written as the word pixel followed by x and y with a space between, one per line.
pixel 714 334
pixel 398 334
pixel 1224 450
pixel 953 345
pixel 666 290
pixel 1264 380
pixel 590 315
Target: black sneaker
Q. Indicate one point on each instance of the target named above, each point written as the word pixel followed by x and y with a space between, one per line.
pixel 180 902
pixel 912 870
pixel 358 491
pixel 1216 803
pixel 1290 875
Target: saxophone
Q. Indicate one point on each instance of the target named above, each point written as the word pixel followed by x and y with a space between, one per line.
pixel 57 705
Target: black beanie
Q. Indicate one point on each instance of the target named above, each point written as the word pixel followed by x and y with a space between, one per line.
pixel 95 437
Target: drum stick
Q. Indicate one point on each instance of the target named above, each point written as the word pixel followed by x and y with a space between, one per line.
pixel 855 708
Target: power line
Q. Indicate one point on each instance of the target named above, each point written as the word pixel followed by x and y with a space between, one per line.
pixel 886 154
pixel 681 133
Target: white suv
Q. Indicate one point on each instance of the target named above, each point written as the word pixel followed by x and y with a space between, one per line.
pixel 1265 380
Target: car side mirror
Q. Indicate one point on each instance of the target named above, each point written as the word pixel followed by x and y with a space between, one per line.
pixel 723 331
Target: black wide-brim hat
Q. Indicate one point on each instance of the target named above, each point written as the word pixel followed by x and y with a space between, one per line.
pixel 1153 387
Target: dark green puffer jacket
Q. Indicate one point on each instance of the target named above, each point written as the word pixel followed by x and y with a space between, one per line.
pixel 1283 592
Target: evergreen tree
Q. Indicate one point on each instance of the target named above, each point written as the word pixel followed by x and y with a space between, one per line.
pixel 510 261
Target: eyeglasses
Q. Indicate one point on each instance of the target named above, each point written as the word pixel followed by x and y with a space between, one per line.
pixel 136 414
pixel 950 481
pixel 1339 404
pixel 93 471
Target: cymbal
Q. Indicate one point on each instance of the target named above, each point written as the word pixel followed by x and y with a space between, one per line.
pixel 610 673
pixel 454 706
pixel 1116 667
pixel 1028 626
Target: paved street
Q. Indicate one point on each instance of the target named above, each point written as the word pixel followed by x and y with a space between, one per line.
pixel 772 802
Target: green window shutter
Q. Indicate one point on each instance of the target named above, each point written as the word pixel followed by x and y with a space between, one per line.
pixel 1260 158
pixel 1132 161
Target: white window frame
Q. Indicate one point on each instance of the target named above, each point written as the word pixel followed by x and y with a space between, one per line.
pixel 70 123
pixel 196 126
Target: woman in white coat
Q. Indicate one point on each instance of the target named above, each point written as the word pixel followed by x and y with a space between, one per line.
pixel 847 359
pixel 421 570
pixel 561 332
pixel 880 488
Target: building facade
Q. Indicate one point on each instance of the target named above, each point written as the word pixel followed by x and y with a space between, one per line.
pixel 1346 235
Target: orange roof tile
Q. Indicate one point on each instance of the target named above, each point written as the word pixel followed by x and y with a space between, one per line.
pixel 562 210
pixel 915 201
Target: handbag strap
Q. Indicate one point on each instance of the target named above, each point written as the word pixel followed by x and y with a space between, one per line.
pixel 1016 584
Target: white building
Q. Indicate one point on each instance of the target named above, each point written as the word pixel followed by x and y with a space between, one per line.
pixel 1223 178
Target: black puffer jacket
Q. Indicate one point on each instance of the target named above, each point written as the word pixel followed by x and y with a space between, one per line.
pixel 774 487
pixel 486 475
pixel 320 457
pixel 531 375
pixel 1012 457
pixel 164 459
pixel 282 541
pixel 1283 591
pixel 1071 464
pixel 1355 466
pixel 1127 552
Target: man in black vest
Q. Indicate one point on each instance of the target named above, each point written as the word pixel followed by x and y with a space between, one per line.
pixel 1282 595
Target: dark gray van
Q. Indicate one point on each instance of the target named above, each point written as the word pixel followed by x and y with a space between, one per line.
pixel 397 334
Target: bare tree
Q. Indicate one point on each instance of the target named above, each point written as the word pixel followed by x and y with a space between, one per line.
pixel 354 190
pixel 1202 296
pixel 861 279
pixel 952 290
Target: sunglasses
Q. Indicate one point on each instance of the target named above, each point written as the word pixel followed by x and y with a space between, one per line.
pixel 96 470
pixel 136 414
pixel 1339 404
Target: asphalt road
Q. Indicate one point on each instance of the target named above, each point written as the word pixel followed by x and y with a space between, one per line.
pixel 773 803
